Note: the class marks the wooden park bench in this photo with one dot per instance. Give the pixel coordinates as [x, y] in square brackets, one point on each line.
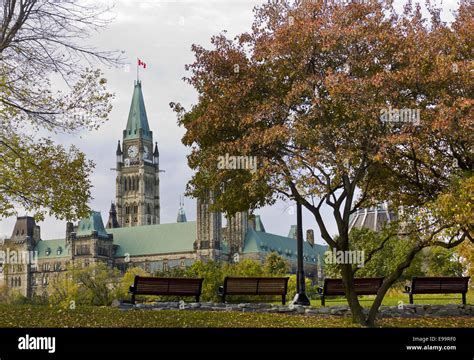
[438, 285]
[166, 286]
[254, 286]
[363, 286]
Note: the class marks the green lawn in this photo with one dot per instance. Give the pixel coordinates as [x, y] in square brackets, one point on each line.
[46, 316]
[395, 297]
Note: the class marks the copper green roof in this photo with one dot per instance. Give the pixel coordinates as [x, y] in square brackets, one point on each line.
[52, 249]
[137, 119]
[262, 242]
[155, 239]
[92, 223]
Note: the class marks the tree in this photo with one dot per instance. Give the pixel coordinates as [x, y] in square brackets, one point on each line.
[443, 262]
[41, 44]
[275, 265]
[100, 282]
[312, 92]
[96, 284]
[466, 256]
[383, 261]
[128, 280]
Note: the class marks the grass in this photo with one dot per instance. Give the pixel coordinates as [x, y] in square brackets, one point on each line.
[394, 297]
[21, 316]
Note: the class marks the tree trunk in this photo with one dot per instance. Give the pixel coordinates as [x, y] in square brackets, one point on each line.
[358, 315]
[388, 282]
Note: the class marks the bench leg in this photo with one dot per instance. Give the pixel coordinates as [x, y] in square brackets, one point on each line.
[223, 298]
[197, 298]
[133, 299]
[464, 298]
[283, 299]
[411, 298]
[323, 302]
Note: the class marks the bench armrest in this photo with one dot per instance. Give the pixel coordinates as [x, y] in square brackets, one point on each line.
[221, 290]
[320, 290]
[407, 289]
[131, 289]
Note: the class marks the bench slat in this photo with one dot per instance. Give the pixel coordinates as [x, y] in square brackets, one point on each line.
[255, 286]
[166, 286]
[439, 285]
[363, 286]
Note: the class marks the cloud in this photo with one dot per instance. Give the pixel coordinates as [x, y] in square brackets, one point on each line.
[161, 33]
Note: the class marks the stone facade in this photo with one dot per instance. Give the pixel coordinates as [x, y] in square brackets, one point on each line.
[138, 169]
[133, 235]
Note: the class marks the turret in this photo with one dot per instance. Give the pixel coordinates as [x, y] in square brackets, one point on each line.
[156, 155]
[119, 154]
[181, 212]
[112, 223]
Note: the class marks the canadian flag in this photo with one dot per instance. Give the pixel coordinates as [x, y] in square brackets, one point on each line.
[141, 63]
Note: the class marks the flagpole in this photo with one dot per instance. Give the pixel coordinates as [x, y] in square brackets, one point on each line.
[138, 67]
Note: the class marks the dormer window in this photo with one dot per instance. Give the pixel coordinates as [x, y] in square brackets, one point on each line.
[59, 251]
[48, 252]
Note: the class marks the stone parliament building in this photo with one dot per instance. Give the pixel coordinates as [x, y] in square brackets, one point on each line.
[133, 234]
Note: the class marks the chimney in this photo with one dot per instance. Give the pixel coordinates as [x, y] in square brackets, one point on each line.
[310, 237]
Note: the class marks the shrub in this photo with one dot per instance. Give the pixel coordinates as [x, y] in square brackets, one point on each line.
[290, 295]
[93, 285]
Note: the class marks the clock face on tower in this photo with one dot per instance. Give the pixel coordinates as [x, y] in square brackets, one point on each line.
[132, 152]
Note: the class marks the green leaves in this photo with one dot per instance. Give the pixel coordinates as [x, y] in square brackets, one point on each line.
[41, 41]
[43, 178]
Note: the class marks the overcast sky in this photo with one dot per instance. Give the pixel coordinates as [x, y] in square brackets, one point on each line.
[161, 34]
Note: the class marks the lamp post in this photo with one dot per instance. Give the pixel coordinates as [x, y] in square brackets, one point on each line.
[300, 297]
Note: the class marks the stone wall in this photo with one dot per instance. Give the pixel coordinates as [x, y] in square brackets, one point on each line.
[385, 311]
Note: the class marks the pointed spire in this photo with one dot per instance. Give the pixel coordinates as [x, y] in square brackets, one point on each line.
[137, 124]
[112, 222]
[156, 156]
[119, 149]
[181, 212]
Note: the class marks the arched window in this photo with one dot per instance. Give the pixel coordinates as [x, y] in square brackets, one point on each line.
[125, 184]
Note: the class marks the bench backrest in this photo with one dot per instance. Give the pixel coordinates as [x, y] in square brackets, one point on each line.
[439, 285]
[167, 286]
[363, 286]
[255, 286]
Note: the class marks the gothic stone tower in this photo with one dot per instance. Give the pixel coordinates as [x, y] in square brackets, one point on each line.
[209, 230]
[236, 230]
[19, 253]
[138, 182]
